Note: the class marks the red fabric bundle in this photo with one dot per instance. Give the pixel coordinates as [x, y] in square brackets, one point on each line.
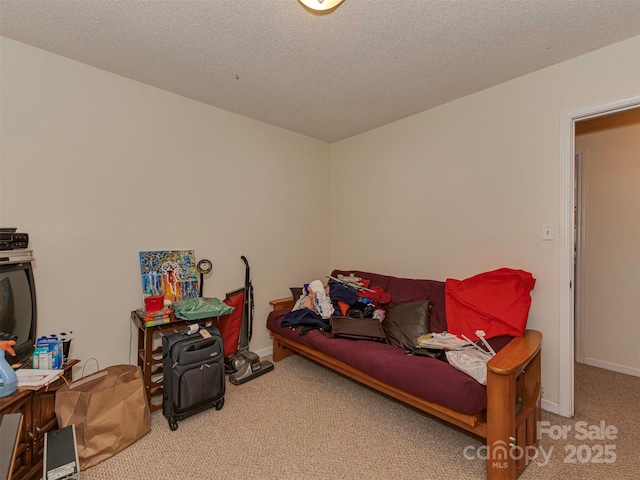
[377, 294]
[497, 302]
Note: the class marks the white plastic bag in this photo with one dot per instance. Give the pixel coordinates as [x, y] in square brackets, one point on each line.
[471, 361]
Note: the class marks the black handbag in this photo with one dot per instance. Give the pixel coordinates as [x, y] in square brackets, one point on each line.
[437, 353]
[357, 328]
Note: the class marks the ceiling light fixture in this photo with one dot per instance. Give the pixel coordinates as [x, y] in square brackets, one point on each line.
[321, 5]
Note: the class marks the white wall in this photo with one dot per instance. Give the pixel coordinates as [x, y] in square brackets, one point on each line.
[96, 168]
[465, 187]
[611, 147]
[450, 192]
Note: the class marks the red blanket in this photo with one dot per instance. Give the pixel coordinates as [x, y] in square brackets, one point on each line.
[497, 302]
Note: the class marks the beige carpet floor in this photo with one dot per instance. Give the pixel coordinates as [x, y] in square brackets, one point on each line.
[302, 421]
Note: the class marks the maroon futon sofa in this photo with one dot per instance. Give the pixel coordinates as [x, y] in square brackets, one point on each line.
[505, 412]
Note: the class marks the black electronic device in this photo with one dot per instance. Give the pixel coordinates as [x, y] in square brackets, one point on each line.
[18, 314]
[11, 240]
[61, 455]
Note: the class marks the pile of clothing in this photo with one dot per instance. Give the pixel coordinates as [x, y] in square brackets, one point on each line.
[319, 301]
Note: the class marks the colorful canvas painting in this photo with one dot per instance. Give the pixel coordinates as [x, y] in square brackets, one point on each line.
[171, 273]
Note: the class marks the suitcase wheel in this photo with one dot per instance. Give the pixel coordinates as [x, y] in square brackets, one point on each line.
[173, 425]
[220, 404]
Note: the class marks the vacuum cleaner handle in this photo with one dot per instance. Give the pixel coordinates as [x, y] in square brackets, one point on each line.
[246, 264]
[248, 298]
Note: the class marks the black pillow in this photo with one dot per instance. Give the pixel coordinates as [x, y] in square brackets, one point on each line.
[404, 323]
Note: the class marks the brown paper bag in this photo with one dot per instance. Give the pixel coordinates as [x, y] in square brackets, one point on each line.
[109, 409]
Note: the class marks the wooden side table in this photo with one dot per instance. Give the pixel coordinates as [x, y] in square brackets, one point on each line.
[38, 410]
[150, 359]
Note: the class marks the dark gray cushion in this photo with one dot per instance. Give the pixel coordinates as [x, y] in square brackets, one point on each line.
[404, 323]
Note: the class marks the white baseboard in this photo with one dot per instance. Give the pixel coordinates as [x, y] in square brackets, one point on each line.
[264, 352]
[550, 406]
[612, 366]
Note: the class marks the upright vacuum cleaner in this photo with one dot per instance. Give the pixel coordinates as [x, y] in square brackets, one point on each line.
[246, 365]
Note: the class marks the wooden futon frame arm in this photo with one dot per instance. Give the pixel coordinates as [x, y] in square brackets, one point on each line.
[510, 422]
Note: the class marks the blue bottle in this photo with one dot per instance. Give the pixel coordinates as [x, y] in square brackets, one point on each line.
[8, 378]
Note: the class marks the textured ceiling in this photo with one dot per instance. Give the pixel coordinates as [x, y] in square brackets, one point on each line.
[331, 76]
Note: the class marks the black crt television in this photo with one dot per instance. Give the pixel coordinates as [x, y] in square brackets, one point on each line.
[18, 314]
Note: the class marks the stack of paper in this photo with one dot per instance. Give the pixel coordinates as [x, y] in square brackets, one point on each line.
[33, 379]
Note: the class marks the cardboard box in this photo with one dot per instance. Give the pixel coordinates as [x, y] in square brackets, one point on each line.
[51, 346]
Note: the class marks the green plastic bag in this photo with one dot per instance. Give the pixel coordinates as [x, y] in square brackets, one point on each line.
[198, 308]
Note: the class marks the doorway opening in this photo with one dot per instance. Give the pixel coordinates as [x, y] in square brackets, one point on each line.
[568, 242]
[607, 276]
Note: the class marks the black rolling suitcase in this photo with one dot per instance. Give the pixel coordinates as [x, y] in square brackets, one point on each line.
[193, 373]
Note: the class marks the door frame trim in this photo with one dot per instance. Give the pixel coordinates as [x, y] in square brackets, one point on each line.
[566, 327]
[580, 254]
